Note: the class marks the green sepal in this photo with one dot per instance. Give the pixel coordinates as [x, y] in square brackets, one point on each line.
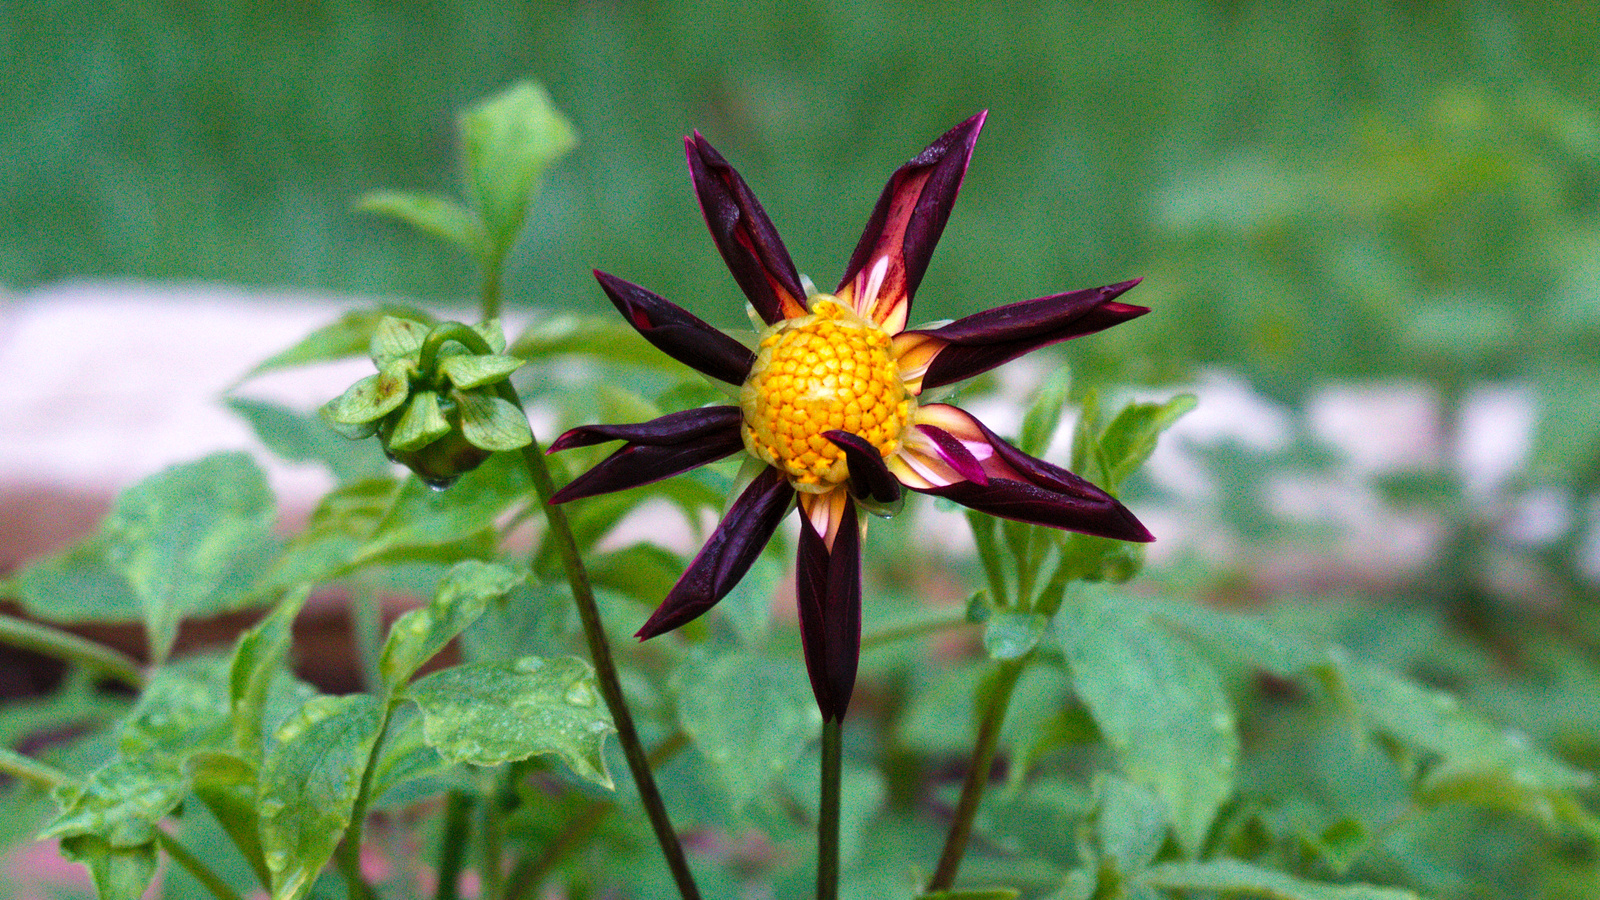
[368, 400]
[467, 372]
[441, 217]
[492, 334]
[119, 873]
[493, 423]
[396, 339]
[421, 424]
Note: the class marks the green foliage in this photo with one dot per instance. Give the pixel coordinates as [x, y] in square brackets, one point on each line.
[1141, 742]
[189, 541]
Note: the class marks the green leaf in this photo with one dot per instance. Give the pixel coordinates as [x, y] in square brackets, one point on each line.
[294, 437]
[350, 336]
[750, 716]
[228, 787]
[973, 894]
[1160, 707]
[119, 873]
[1132, 824]
[1230, 876]
[120, 803]
[419, 519]
[258, 658]
[441, 217]
[1043, 417]
[606, 337]
[187, 541]
[1011, 634]
[462, 596]
[1131, 437]
[1248, 638]
[467, 372]
[309, 782]
[508, 142]
[1463, 757]
[493, 423]
[421, 424]
[496, 712]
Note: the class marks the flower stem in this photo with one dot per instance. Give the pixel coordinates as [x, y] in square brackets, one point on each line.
[65, 645]
[600, 654]
[201, 872]
[588, 613]
[828, 811]
[955, 845]
[453, 844]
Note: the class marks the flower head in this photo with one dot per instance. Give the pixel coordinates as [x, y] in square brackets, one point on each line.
[831, 401]
[433, 402]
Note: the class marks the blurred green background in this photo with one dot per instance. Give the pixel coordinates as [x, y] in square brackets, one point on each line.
[1312, 190]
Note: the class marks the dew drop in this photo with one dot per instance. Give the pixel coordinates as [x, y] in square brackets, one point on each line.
[438, 485]
[528, 664]
[580, 694]
[277, 860]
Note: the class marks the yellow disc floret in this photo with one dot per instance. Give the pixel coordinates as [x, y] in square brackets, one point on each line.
[828, 371]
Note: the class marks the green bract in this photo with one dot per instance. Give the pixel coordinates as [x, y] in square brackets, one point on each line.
[435, 402]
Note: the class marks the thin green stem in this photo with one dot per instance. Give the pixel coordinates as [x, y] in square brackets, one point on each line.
[453, 844]
[530, 872]
[489, 296]
[828, 811]
[24, 768]
[201, 872]
[65, 645]
[588, 613]
[938, 620]
[955, 845]
[606, 668]
[600, 654]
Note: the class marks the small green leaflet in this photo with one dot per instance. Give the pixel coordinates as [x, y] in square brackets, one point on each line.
[494, 712]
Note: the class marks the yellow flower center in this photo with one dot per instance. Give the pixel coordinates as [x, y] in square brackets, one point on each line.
[827, 371]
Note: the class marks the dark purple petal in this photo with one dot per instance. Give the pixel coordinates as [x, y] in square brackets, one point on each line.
[678, 333]
[642, 463]
[955, 453]
[672, 428]
[912, 211]
[869, 477]
[745, 236]
[727, 555]
[1043, 494]
[828, 589]
[984, 340]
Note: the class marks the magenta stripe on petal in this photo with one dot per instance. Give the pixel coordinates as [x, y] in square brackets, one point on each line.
[828, 591]
[955, 453]
[727, 555]
[677, 332]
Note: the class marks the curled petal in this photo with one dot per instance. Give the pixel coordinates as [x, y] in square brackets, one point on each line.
[672, 428]
[898, 241]
[727, 555]
[1024, 488]
[981, 341]
[828, 590]
[678, 333]
[955, 454]
[667, 446]
[870, 478]
[749, 243]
